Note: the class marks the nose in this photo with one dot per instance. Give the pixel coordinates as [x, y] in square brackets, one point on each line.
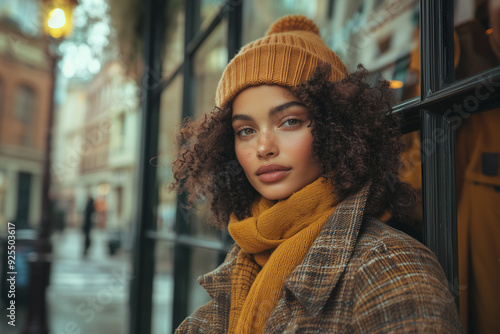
[266, 145]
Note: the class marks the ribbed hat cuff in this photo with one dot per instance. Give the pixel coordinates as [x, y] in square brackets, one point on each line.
[261, 65]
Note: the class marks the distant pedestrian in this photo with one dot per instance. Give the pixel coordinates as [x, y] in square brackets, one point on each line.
[87, 223]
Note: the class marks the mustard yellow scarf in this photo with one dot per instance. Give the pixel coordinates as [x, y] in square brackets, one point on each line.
[273, 242]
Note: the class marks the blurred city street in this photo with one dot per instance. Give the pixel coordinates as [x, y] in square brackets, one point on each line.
[90, 294]
[87, 295]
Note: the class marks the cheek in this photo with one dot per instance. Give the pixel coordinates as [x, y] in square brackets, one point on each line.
[300, 147]
[243, 155]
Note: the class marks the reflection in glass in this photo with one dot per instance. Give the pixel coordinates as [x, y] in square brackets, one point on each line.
[477, 36]
[258, 15]
[411, 172]
[162, 289]
[170, 119]
[174, 50]
[209, 63]
[211, 8]
[381, 35]
[202, 262]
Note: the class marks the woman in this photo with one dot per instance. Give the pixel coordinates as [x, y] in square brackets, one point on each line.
[296, 160]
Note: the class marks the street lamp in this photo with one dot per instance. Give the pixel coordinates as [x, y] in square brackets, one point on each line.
[57, 15]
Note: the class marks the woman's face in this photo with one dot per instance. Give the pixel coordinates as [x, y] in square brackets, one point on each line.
[273, 141]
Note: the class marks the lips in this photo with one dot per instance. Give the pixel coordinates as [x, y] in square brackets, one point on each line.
[272, 173]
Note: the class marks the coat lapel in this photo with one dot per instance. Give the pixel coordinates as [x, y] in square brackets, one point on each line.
[218, 282]
[313, 280]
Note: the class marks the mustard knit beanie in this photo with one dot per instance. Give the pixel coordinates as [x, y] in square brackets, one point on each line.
[286, 56]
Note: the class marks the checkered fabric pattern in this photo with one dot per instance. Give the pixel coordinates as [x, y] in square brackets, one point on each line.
[360, 276]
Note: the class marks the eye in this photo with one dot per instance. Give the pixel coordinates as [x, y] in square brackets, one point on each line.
[245, 132]
[291, 122]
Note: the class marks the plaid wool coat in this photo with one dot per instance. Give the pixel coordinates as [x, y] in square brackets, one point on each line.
[360, 276]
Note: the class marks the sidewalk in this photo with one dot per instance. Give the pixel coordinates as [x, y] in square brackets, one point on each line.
[87, 295]
[90, 295]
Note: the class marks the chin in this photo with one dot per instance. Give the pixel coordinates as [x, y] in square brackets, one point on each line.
[277, 195]
[276, 198]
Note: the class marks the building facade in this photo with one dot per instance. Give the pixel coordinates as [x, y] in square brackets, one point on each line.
[26, 83]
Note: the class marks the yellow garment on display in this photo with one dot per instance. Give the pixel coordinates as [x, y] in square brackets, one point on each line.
[478, 183]
[273, 242]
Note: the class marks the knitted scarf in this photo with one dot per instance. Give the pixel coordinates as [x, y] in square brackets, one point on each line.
[273, 241]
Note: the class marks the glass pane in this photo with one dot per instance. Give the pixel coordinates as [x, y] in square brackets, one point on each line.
[196, 219]
[202, 262]
[478, 198]
[170, 118]
[382, 35]
[209, 9]
[477, 36]
[174, 48]
[163, 289]
[411, 172]
[209, 63]
[258, 15]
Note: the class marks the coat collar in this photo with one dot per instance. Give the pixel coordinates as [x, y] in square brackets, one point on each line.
[218, 282]
[335, 243]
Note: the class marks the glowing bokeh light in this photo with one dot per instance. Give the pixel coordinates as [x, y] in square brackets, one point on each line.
[395, 84]
[57, 18]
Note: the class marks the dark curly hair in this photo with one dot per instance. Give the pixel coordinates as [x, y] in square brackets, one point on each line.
[356, 139]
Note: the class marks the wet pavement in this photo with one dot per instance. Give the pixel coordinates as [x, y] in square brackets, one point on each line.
[87, 295]
[90, 295]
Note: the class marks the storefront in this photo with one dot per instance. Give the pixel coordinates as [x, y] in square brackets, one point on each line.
[448, 50]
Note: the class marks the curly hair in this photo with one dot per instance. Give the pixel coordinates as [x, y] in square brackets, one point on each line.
[356, 139]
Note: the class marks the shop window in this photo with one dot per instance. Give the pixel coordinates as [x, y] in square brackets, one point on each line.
[209, 63]
[383, 35]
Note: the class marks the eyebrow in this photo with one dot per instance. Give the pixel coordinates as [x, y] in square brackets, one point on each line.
[273, 111]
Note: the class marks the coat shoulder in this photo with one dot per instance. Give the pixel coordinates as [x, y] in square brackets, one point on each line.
[399, 279]
[376, 236]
